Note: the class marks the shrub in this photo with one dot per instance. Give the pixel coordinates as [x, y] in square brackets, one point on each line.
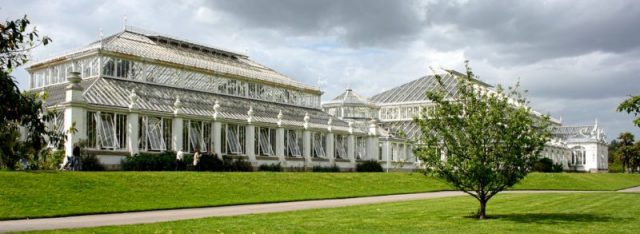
[239, 164]
[91, 163]
[242, 165]
[543, 165]
[270, 167]
[51, 159]
[557, 167]
[369, 166]
[209, 162]
[333, 168]
[164, 161]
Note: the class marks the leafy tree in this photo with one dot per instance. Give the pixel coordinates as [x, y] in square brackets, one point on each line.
[482, 141]
[631, 105]
[24, 109]
[635, 160]
[625, 150]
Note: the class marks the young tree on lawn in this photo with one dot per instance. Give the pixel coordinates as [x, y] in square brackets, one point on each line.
[481, 141]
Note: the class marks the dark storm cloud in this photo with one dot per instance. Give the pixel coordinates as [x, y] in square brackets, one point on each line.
[357, 23]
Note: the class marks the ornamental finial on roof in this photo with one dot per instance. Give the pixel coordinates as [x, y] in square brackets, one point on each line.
[177, 106]
[306, 120]
[133, 99]
[350, 127]
[280, 118]
[216, 107]
[329, 123]
[250, 114]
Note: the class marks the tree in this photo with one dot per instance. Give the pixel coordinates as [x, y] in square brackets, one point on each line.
[625, 151]
[482, 141]
[24, 109]
[631, 105]
[635, 160]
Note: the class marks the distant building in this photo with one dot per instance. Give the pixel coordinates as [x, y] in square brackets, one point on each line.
[577, 148]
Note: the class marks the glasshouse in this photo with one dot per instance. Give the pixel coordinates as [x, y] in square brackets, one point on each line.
[139, 91]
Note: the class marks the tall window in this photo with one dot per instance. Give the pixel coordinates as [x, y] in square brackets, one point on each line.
[265, 139]
[107, 130]
[578, 156]
[154, 132]
[57, 125]
[233, 139]
[340, 146]
[293, 140]
[318, 144]
[196, 135]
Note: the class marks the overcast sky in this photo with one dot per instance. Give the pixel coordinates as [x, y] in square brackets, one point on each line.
[578, 59]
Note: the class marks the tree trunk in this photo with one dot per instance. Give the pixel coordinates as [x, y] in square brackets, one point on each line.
[482, 212]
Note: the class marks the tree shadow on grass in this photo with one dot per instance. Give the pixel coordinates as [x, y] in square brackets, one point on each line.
[556, 218]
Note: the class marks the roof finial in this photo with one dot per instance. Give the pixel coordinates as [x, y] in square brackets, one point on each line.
[250, 114]
[101, 34]
[124, 22]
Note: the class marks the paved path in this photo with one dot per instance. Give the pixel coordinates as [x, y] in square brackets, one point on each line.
[632, 189]
[194, 213]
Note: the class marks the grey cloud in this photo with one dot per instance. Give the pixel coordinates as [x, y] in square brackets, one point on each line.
[529, 31]
[357, 23]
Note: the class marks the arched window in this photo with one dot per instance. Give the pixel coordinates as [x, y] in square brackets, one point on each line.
[578, 156]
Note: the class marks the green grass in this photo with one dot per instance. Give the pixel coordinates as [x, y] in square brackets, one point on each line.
[48, 194]
[578, 181]
[512, 213]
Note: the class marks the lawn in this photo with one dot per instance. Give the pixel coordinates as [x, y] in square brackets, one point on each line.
[47, 194]
[578, 181]
[509, 213]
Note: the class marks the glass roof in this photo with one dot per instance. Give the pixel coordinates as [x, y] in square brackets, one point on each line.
[160, 48]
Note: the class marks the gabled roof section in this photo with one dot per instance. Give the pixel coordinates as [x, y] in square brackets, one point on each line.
[349, 98]
[155, 46]
[416, 90]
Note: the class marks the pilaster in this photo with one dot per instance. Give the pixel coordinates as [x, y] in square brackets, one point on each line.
[74, 113]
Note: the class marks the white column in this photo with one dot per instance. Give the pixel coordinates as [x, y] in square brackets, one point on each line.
[372, 141]
[351, 148]
[74, 113]
[372, 148]
[330, 150]
[176, 133]
[306, 145]
[217, 138]
[133, 134]
[280, 144]
[250, 143]
[386, 149]
[177, 126]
